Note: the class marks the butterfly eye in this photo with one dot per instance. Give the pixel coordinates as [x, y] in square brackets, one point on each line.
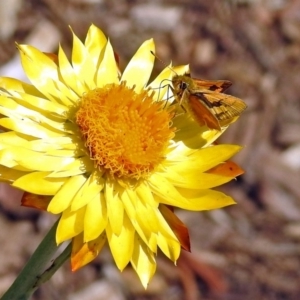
[183, 85]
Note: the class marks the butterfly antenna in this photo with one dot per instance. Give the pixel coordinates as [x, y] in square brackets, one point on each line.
[160, 60]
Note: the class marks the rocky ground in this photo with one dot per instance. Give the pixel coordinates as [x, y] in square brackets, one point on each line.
[249, 251]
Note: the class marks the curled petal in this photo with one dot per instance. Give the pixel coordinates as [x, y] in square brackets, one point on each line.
[83, 253]
[178, 227]
[35, 201]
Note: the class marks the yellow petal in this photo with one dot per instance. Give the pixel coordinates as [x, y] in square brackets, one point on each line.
[198, 200]
[10, 84]
[63, 153]
[205, 158]
[11, 109]
[48, 144]
[28, 127]
[65, 195]
[169, 246]
[38, 183]
[115, 209]
[95, 219]
[130, 200]
[95, 43]
[43, 73]
[70, 224]
[147, 217]
[143, 261]
[181, 70]
[41, 105]
[12, 138]
[78, 166]
[83, 64]
[9, 175]
[108, 70]
[92, 187]
[32, 160]
[164, 189]
[138, 71]
[185, 198]
[195, 180]
[121, 245]
[68, 74]
[167, 240]
[192, 134]
[46, 66]
[161, 84]
[145, 195]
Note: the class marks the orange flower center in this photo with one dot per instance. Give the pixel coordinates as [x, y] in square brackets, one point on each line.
[127, 133]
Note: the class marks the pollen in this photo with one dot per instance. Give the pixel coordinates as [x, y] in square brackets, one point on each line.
[126, 133]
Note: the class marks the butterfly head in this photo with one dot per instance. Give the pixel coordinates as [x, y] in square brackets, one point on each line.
[181, 83]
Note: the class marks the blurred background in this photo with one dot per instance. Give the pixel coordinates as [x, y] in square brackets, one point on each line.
[248, 251]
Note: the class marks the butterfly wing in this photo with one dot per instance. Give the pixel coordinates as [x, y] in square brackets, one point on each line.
[201, 113]
[217, 86]
[224, 107]
[204, 100]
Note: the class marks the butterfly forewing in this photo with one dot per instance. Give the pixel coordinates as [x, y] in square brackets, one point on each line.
[218, 86]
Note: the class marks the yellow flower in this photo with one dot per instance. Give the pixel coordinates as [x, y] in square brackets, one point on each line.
[107, 152]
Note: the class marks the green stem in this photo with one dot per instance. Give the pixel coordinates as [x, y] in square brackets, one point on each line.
[57, 263]
[34, 274]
